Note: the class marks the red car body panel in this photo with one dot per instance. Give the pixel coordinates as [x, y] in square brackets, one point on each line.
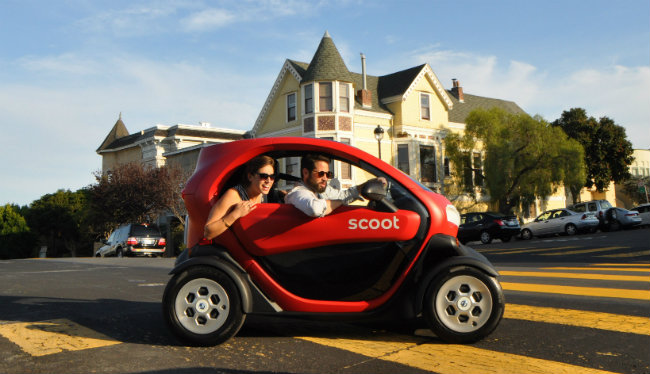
[278, 228]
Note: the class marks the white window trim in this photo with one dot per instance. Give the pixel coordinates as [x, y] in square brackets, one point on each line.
[428, 95]
[286, 107]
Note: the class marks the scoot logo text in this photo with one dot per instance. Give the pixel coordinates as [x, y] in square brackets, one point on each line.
[373, 224]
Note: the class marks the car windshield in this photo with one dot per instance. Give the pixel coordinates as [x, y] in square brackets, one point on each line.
[605, 204]
[142, 230]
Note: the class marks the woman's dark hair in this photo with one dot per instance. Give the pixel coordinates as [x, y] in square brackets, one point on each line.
[254, 165]
[309, 161]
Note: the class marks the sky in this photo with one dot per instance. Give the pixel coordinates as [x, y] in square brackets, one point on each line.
[69, 68]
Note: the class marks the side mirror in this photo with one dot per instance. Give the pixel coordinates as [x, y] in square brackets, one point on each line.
[373, 190]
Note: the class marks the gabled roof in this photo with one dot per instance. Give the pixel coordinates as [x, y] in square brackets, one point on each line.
[461, 109]
[118, 131]
[327, 64]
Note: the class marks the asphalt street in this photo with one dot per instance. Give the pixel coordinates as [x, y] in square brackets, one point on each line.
[576, 304]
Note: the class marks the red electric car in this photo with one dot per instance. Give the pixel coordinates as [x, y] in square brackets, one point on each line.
[393, 256]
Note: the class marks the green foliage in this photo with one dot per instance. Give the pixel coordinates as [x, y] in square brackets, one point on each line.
[636, 188]
[525, 157]
[16, 240]
[59, 220]
[608, 153]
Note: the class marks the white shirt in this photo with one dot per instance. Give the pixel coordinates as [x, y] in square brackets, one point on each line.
[314, 204]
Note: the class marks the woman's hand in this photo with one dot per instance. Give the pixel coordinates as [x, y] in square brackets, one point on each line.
[242, 208]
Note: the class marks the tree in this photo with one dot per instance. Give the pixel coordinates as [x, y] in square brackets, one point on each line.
[59, 219]
[134, 192]
[638, 189]
[525, 158]
[16, 240]
[608, 153]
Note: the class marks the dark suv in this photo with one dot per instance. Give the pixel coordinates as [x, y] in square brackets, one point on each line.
[134, 240]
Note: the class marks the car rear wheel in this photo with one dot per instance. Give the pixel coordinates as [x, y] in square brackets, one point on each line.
[486, 238]
[119, 252]
[570, 229]
[526, 234]
[506, 238]
[614, 225]
[203, 306]
[463, 305]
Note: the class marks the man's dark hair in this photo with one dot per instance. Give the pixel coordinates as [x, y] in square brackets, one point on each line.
[309, 161]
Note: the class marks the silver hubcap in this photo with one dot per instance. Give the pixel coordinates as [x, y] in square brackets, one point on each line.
[464, 303]
[485, 237]
[202, 306]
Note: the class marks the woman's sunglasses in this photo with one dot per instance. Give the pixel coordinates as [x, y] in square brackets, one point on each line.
[266, 176]
[329, 174]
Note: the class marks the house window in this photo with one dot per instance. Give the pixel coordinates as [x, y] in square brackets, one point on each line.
[346, 169]
[428, 164]
[425, 110]
[309, 98]
[403, 158]
[467, 171]
[291, 107]
[344, 97]
[478, 169]
[325, 97]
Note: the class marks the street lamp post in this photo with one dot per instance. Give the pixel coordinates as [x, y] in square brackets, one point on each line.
[379, 135]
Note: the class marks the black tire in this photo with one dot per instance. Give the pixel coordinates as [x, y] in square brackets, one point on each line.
[463, 305]
[486, 238]
[526, 234]
[506, 238]
[570, 229]
[202, 306]
[119, 252]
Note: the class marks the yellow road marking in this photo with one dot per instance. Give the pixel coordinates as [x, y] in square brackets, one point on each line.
[533, 250]
[581, 251]
[642, 270]
[571, 317]
[580, 291]
[630, 254]
[612, 264]
[448, 358]
[626, 278]
[53, 336]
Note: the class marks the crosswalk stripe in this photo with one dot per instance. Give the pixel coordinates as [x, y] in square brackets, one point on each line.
[578, 291]
[582, 251]
[448, 358]
[629, 254]
[625, 278]
[533, 250]
[572, 317]
[637, 270]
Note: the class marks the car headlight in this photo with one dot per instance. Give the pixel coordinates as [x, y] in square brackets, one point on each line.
[452, 215]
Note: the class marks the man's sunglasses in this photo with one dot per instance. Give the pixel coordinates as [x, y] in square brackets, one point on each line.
[266, 176]
[329, 174]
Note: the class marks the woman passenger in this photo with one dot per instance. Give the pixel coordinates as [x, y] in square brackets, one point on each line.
[238, 201]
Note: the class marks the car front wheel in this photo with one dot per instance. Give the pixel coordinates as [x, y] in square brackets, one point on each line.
[526, 234]
[202, 306]
[463, 305]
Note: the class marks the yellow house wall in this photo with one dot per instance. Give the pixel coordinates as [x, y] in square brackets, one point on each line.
[410, 113]
[364, 136]
[110, 160]
[276, 117]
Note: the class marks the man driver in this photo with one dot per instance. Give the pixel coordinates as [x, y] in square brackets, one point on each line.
[314, 196]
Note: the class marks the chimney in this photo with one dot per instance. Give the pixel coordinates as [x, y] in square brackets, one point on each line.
[457, 90]
[364, 95]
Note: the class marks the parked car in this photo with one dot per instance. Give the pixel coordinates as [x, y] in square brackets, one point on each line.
[485, 226]
[134, 240]
[618, 218]
[598, 207]
[393, 257]
[644, 213]
[559, 221]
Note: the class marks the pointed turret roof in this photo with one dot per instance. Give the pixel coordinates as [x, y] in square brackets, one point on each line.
[118, 131]
[327, 64]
